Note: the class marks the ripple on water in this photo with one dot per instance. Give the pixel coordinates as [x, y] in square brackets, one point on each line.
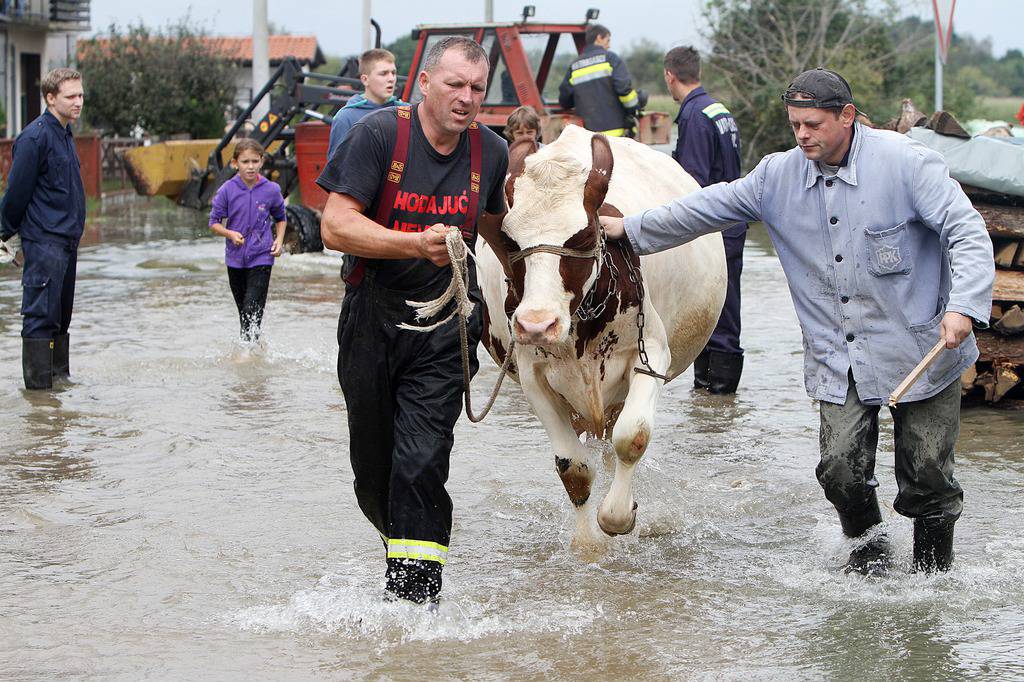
[348, 604]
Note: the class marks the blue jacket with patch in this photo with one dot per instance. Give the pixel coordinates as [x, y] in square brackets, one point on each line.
[874, 256]
[708, 147]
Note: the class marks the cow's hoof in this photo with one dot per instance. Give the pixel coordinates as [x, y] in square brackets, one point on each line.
[611, 529]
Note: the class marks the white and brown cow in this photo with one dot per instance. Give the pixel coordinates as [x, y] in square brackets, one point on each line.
[577, 345]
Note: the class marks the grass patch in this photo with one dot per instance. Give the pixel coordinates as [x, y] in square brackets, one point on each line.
[662, 103]
[999, 108]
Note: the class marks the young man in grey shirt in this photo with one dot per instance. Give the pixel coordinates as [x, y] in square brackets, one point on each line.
[884, 255]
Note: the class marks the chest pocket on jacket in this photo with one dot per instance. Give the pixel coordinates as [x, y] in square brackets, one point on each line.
[57, 172]
[888, 252]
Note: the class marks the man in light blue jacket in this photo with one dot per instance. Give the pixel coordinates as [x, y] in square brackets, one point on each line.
[378, 74]
[884, 255]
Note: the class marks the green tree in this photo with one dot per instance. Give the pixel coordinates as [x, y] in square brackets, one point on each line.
[165, 81]
[646, 62]
[758, 46]
[404, 50]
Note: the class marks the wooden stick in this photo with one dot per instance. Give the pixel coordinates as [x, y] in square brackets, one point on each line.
[916, 373]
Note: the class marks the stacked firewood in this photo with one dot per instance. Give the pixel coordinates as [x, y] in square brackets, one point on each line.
[999, 372]
[998, 376]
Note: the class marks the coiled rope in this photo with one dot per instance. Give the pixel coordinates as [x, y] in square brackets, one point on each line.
[458, 291]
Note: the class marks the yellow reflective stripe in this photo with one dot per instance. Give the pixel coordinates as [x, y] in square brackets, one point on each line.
[417, 555]
[423, 550]
[630, 99]
[715, 109]
[590, 72]
[418, 543]
[614, 132]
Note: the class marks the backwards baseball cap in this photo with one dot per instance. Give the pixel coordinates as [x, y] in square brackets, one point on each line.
[823, 89]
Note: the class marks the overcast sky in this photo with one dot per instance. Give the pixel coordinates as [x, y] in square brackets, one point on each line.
[671, 22]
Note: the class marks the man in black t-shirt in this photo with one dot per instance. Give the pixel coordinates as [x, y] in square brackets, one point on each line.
[399, 179]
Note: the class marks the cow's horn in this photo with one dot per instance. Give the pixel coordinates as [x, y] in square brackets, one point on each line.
[600, 175]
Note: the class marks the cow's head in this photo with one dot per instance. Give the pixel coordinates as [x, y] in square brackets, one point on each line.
[553, 238]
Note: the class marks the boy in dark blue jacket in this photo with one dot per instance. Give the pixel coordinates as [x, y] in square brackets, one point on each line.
[45, 205]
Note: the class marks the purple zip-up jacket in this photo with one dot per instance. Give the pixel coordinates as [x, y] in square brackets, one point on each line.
[252, 212]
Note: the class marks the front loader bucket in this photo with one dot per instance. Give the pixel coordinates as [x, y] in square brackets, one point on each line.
[163, 169]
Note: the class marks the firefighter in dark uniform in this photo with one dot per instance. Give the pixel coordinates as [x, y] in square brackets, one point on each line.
[397, 180]
[708, 148]
[45, 207]
[598, 86]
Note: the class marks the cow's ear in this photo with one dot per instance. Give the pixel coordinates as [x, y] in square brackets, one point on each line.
[600, 174]
[517, 154]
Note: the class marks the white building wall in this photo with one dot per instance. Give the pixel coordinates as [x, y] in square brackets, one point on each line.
[20, 40]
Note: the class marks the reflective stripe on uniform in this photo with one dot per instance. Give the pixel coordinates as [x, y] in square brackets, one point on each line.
[715, 109]
[630, 99]
[590, 73]
[614, 132]
[417, 549]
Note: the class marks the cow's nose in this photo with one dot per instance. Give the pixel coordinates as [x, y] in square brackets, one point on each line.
[536, 329]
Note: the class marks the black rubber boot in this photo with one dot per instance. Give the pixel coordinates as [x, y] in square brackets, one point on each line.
[724, 372]
[700, 370]
[933, 544]
[37, 363]
[856, 522]
[414, 580]
[61, 366]
[873, 557]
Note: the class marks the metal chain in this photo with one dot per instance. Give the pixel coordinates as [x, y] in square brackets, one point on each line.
[638, 281]
[587, 310]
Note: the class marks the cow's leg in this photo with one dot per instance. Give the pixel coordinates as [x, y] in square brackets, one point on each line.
[632, 432]
[570, 455]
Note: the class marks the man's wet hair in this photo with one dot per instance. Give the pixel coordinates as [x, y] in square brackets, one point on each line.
[469, 48]
[683, 63]
[595, 31]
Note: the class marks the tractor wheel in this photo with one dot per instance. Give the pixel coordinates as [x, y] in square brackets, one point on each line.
[303, 232]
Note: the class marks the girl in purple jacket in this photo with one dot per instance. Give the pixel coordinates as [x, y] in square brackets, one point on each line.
[243, 211]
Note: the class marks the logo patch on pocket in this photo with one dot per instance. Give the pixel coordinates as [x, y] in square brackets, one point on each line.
[888, 257]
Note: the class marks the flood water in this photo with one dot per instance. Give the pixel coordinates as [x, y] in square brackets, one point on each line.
[185, 510]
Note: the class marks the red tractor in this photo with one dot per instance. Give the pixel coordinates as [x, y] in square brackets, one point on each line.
[521, 58]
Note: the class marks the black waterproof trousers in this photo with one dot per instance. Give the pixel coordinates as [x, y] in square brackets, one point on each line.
[403, 391]
[925, 434]
[249, 288]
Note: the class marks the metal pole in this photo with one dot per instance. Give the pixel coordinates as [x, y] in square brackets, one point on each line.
[938, 75]
[488, 11]
[260, 56]
[367, 29]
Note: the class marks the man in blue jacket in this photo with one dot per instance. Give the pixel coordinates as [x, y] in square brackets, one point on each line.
[598, 86]
[708, 148]
[45, 205]
[885, 256]
[378, 74]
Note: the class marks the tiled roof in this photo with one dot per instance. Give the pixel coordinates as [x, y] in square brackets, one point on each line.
[239, 49]
[303, 48]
